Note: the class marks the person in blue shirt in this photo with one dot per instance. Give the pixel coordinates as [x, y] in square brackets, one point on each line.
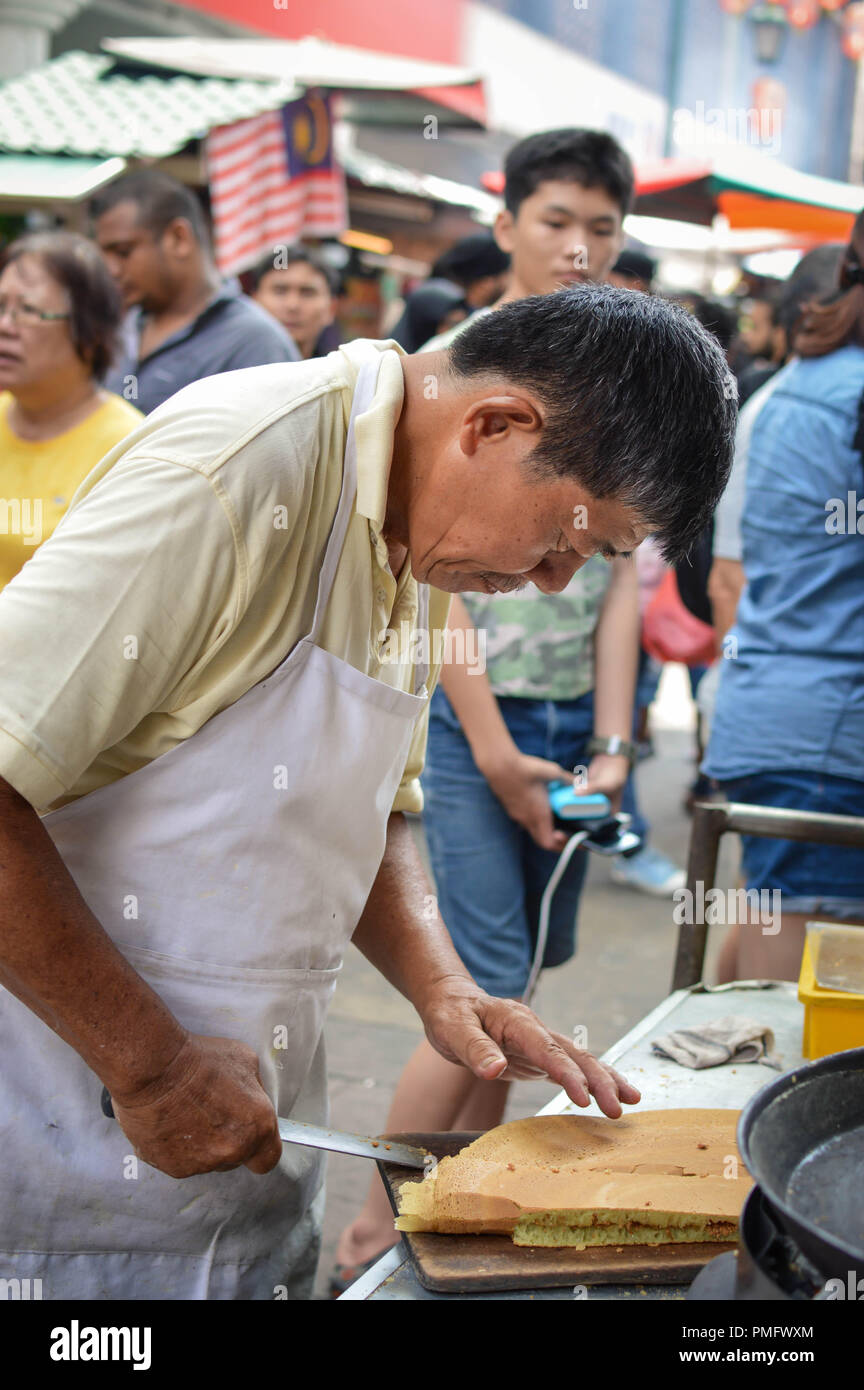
[788, 728]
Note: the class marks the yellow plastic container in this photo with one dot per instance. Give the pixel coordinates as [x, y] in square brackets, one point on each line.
[833, 1020]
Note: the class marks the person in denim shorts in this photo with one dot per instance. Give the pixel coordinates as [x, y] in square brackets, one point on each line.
[788, 727]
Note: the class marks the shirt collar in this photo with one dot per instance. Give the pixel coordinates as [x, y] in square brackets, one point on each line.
[374, 429]
[227, 291]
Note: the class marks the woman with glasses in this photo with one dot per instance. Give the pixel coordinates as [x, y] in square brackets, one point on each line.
[59, 318]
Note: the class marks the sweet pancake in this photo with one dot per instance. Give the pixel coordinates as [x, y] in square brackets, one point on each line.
[651, 1178]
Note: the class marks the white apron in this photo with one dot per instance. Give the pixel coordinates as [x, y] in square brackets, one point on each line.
[231, 872]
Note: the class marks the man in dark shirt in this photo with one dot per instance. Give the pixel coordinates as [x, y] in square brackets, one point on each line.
[183, 322]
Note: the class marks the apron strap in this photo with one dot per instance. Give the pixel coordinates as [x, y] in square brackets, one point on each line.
[421, 671]
[364, 393]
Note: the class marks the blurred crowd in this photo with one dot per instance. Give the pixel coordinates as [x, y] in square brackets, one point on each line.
[767, 612]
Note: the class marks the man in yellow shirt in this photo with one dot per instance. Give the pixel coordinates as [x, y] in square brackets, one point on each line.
[215, 683]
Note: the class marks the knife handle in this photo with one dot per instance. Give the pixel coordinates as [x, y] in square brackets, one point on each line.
[105, 1101]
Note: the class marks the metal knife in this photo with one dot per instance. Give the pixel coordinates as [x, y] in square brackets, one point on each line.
[361, 1145]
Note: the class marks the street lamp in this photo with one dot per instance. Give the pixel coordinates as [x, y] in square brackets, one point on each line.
[769, 26]
[771, 22]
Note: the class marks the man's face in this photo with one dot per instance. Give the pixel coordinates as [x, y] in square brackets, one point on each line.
[627, 282]
[299, 297]
[757, 328]
[136, 261]
[482, 521]
[483, 292]
[563, 234]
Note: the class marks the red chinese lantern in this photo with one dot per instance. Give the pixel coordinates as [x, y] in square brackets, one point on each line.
[767, 94]
[832, 4]
[735, 6]
[853, 32]
[803, 14]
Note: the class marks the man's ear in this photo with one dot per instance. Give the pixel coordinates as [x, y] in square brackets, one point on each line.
[494, 419]
[504, 230]
[179, 239]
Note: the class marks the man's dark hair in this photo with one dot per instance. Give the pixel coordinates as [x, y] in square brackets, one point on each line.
[771, 293]
[281, 257]
[639, 402]
[637, 265]
[160, 200]
[95, 306]
[827, 326]
[588, 157]
[814, 279]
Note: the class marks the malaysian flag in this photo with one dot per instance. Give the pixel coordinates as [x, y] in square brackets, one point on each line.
[273, 179]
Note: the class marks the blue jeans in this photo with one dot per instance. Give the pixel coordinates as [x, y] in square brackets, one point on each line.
[490, 874]
[816, 880]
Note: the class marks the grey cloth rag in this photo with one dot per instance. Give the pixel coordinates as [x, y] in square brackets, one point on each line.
[730, 1039]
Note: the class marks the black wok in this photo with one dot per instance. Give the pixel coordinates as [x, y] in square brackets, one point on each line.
[802, 1140]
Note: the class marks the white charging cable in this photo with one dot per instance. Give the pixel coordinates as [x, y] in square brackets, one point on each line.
[546, 907]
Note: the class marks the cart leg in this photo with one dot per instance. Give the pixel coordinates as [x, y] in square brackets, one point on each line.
[709, 823]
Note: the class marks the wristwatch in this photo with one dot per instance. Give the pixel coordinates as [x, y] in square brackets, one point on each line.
[615, 746]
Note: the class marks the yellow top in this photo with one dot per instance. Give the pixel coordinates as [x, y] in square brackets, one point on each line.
[187, 568]
[38, 477]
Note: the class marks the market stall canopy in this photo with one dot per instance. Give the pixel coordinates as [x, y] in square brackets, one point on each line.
[69, 126]
[373, 80]
[751, 191]
[35, 180]
[82, 104]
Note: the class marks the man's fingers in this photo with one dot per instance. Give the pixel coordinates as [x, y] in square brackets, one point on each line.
[609, 1088]
[626, 1089]
[579, 1073]
[502, 1038]
[268, 1153]
[553, 772]
[474, 1047]
[543, 830]
[526, 1037]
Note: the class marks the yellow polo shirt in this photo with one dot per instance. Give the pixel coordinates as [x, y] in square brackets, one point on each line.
[186, 569]
[38, 477]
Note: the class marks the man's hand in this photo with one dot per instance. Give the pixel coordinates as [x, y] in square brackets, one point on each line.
[500, 1039]
[206, 1113]
[521, 785]
[607, 773]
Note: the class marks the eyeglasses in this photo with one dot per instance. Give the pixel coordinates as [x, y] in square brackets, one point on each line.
[28, 313]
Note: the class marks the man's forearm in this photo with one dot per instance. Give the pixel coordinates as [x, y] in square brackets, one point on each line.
[726, 581]
[616, 653]
[401, 931]
[57, 959]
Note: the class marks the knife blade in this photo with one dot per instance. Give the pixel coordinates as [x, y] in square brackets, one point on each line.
[360, 1145]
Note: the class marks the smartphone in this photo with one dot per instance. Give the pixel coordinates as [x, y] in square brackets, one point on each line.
[568, 804]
